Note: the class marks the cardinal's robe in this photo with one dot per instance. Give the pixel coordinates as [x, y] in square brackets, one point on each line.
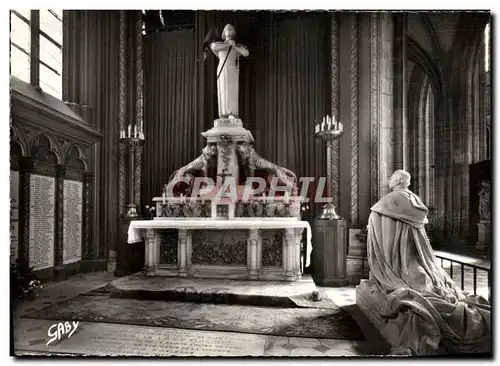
[424, 305]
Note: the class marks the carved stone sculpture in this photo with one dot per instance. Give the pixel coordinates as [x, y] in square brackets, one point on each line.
[228, 71]
[198, 166]
[484, 201]
[252, 161]
[411, 299]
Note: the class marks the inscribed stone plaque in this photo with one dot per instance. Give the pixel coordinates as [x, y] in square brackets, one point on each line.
[42, 221]
[141, 341]
[14, 215]
[72, 221]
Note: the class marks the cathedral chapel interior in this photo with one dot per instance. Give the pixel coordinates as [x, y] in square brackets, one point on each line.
[110, 107]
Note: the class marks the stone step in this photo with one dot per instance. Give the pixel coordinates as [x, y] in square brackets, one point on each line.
[302, 293]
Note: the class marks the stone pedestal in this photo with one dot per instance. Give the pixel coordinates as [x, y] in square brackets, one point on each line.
[129, 258]
[329, 253]
[483, 235]
[226, 133]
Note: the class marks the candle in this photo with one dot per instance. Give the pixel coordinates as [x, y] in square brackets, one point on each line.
[316, 128]
[163, 197]
[341, 126]
[129, 130]
[323, 124]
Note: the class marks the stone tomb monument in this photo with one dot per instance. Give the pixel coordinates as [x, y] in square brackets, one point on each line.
[201, 232]
[412, 301]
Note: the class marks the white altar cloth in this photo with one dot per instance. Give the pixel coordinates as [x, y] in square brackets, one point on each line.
[137, 228]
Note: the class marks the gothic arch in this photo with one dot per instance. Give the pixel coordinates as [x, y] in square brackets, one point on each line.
[44, 147]
[18, 138]
[75, 157]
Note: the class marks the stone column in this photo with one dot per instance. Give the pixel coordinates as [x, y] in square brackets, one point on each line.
[253, 242]
[334, 158]
[289, 254]
[139, 110]
[401, 151]
[183, 237]
[354, 38]
[381, 102]
[297, 262]
[151, 248]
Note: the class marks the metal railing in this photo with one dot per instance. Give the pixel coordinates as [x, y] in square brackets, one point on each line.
[463, 262]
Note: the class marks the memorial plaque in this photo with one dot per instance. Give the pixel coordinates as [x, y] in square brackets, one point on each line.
[122, 340]
[42, 221]
[14, 215]
[72, 221]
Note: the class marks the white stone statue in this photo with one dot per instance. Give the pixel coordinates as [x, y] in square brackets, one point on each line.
[424, 310]
[228, 72]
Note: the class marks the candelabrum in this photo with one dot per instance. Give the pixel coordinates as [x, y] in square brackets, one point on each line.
[328, 132]
[131, 167]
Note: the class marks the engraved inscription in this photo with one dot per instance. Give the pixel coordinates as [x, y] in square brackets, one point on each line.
[42, 221]
[14, 215]
[135, 341]
[72, 221]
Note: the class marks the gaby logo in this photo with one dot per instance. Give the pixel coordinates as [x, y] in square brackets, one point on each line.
[58, 330]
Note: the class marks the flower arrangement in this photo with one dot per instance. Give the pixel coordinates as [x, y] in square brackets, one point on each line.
[24, 283]
[304, 207]
[151, 210]
[33, 286]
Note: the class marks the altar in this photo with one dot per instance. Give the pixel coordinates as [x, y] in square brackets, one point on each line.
[229, 213]
[188, 248]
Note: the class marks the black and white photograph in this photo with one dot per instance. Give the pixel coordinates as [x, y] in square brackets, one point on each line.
[262, 184]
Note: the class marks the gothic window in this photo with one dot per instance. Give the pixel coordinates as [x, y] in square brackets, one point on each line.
[37, 59]
[20, 44]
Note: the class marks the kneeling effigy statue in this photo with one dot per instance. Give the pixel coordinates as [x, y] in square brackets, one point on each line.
[425, 311]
